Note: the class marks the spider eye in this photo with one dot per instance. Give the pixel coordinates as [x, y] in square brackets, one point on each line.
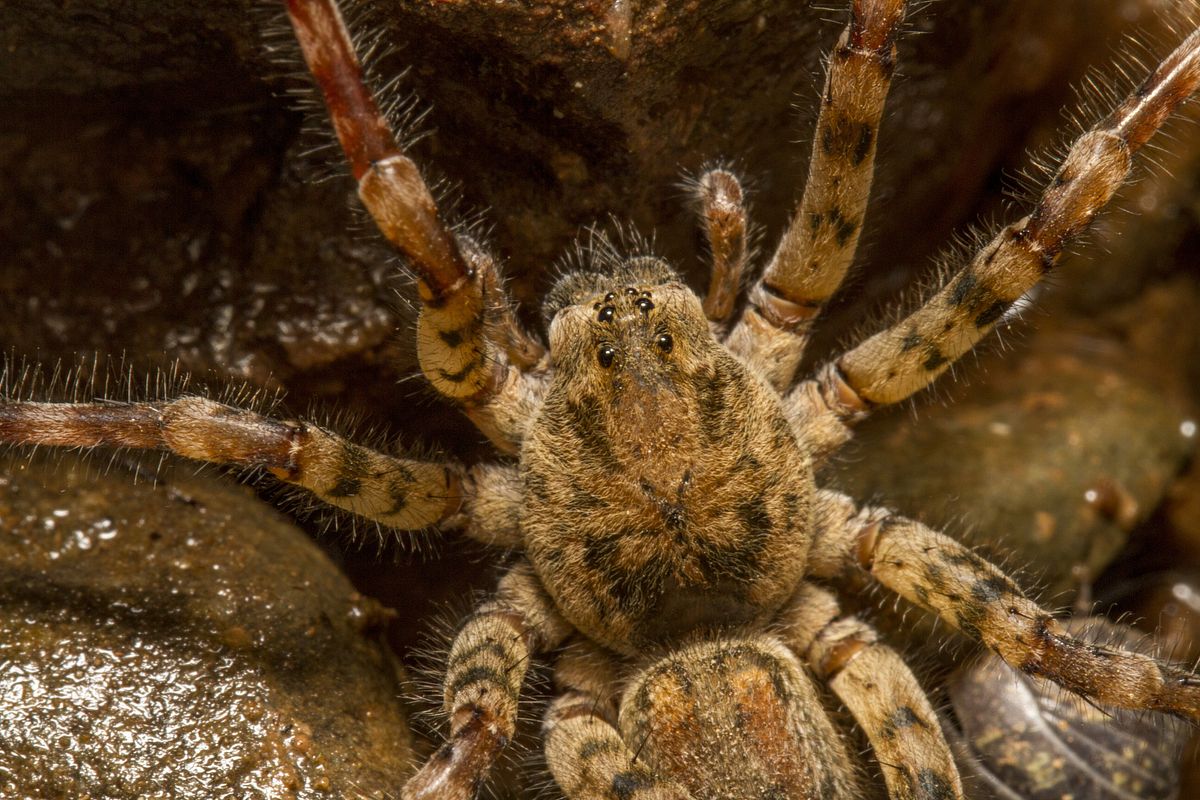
[605, 355]
[665, 342]
[644, 304]
[606, 314]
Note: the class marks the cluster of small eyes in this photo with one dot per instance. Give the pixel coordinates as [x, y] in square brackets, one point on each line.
[606, 352]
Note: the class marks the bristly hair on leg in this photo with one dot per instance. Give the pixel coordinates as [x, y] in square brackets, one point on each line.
[426, 665]
[895, 305]
[92, 407]
[352, 531]
[318, 155]
[117, 381]
[1102, 88]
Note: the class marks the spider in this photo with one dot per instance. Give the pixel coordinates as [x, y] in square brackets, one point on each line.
[674, 548]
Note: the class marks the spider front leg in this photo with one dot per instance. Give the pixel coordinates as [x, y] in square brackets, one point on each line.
[468, 339]
[937, 573]
[401, 493]
[880, 691]
[895, 363]
[484, 674]
[819, 244]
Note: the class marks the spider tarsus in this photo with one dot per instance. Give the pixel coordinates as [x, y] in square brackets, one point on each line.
[360, 127]
[1149, 106]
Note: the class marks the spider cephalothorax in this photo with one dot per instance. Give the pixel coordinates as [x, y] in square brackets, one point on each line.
[672, 547]
[650, 510]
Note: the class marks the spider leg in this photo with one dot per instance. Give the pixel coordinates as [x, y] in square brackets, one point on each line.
[880, 691]
[724, 217]
[901, 360]
[492, 501]
[468, 339]
[484, 674]
[819, 244]
[401, 493]
[584, 750]
[938, 574]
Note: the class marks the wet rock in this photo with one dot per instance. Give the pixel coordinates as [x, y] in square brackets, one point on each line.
[182, 640]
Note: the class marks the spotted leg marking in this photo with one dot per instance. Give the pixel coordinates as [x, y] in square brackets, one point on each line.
[819, 244]
[937, 573]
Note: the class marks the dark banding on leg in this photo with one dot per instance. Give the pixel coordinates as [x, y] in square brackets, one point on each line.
[484, 674]
[469, 342]
[894, 364]
[401, 493]
[819, 245]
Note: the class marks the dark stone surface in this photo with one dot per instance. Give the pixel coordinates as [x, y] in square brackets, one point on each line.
[182, 640]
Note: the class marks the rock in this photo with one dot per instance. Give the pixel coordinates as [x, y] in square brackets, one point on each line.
[182, 640]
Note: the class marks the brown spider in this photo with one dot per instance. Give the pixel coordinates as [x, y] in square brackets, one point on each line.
[673, 540]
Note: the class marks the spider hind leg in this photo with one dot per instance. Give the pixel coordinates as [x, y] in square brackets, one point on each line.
[933, 571]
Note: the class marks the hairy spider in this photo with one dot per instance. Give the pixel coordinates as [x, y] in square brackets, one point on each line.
[674, 547]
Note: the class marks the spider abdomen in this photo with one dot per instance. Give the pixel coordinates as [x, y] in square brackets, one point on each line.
[736, 717]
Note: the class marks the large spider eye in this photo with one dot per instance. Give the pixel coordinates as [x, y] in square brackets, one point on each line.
[665, 342]
[605, 355]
